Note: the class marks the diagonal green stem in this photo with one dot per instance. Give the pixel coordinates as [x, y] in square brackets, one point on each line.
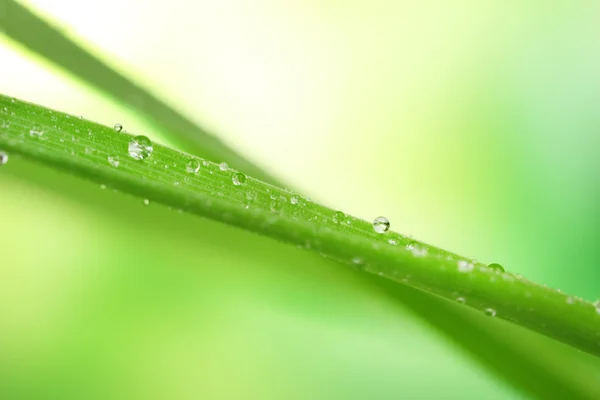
[83, 148]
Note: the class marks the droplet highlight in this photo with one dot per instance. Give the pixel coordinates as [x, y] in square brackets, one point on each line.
[36, 130]
[140, 148]
[338, 217]
[490, 312]
[294, 200]
[276, 206]
[3, 158]
[381, 224]
[114, 161]
[118, 127]
[223, 166]
[597, 305]
[465, 266]
[238, 179]
[146, 202]
[193, 166]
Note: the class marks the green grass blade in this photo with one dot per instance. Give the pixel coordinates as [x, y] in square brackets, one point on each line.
[24, 27]
[83, 148]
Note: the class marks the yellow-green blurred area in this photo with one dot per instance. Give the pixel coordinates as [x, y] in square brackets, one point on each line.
[471, 125]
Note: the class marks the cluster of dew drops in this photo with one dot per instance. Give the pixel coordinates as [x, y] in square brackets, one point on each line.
[140, 148]
[381, 225]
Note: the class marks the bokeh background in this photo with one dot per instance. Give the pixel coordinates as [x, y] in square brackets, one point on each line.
[470, 125]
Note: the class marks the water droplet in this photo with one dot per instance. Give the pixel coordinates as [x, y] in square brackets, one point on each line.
[294, 200]
[238, 179]
[3, 158]
[102, 187]
[114, 161]
[140, 148]
[490, 312]
[357, 261]
[393, 242]
[381, 224]
[192, 166]
[276, 206]
[597, 305]
[496, 267]
[36, 130]
[461, 300]
[338, 217]
[570, 300]
[118, 127]
[146, 202]
[223, 166]
[465, 266]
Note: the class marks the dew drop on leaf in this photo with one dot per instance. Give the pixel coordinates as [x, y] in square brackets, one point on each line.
[294, 200]
[146, 202]
[570, 300]
[465, 266]
[461, 300]
[238, 179]
[496, 267]
[381, 224]
[338, 217]
[140, 148]
[3, 158]
[192, 166]
[276, 206]
[223, 166]
[114, 161]
[118, 127]
[36, 130]
[597, 305]
[490, 312]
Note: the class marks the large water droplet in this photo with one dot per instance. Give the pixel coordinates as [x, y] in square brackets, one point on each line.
[192, 166]
[381, 224]
[114, 161]
[118, 127]
[496, 267]
[3, 158]
[338, 217]
[465, 266]
[238, 179]
[490, 312]
[223, 166]
[36, 130]
[140, 148]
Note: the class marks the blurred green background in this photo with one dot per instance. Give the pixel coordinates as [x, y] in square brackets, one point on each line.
[470, 125]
